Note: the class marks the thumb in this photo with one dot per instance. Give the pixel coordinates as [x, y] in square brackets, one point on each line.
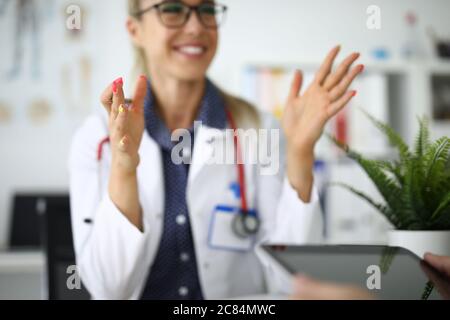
[296, 85]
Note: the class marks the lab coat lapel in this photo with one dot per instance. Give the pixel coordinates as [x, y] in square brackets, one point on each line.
[205, 140]
[151, 187]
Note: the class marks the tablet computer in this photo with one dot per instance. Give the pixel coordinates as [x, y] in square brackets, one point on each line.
[386, 272]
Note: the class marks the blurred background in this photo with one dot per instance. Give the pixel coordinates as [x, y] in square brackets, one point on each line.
[51, 76]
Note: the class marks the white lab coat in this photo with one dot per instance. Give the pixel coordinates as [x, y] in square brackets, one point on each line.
[114, 258]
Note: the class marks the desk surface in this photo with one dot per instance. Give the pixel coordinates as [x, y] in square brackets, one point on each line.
[22, 261]
[22, 274]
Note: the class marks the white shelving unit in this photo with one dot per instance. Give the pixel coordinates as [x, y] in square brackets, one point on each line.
[410, 92]
[405, 92]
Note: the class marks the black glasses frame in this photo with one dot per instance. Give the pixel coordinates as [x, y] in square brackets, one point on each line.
[157, 7]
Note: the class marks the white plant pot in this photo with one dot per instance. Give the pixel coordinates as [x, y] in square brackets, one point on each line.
[421, 242]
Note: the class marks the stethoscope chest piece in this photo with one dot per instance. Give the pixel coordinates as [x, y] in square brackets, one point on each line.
[245, 225]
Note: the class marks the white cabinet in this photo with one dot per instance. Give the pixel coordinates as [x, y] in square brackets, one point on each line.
[21, 275]
[396, 92]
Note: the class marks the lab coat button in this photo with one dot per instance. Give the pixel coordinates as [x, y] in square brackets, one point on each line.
[184, 257]
[183, 291]
[181, 219]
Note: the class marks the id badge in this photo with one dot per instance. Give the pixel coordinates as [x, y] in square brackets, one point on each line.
[221, 235]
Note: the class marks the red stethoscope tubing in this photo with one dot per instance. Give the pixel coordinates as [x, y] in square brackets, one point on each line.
[100, 148]
[238, 154]
[239, 162]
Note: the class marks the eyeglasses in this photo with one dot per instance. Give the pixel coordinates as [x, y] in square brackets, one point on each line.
[175, 14]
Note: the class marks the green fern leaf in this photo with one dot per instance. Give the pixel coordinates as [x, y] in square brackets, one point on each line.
[393, 168]
[444, 204]
[413, 188]
[437, 177]
[423, 138]
[394, 138]
[442, 222]
[436, 158]
[388, 188]
[440, 219]
[381, 208]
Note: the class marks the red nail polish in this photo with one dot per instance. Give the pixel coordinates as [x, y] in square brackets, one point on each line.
[362, 68]
[354, 93]
[118, 81]
[114, 87]
[143, 77]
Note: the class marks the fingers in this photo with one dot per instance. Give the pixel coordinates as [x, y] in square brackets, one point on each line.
[338, 105]
[341, 71]
[309, 289]
[140, 94]
[327, 65]
[438, 281]
[432, 275]
[124, 138]
[440, 263]
[106, 98]
[118, 98]
[338, 91]
[119, 114]
[296, 85]
[121, 125]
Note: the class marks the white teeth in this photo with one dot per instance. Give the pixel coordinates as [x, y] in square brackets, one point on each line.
[191, 50]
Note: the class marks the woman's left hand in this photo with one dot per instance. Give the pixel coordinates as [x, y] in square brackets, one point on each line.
[306, 115]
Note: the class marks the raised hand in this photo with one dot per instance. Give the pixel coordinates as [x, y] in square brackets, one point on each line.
[306, 115]
[126, 123]
[126, 128]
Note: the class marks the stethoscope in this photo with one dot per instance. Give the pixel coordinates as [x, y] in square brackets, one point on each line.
[244, 223]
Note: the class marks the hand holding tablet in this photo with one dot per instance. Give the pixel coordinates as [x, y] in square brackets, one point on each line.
[358, 272]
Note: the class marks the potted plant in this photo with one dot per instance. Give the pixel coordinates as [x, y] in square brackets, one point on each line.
[415, 188]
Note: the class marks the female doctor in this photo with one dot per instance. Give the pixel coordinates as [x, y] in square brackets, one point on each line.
[148, 228]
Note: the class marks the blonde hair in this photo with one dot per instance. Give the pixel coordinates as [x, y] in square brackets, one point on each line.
[140, 59]
[245, 114]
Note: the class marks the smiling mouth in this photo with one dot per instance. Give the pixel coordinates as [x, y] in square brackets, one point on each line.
[191, 51]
